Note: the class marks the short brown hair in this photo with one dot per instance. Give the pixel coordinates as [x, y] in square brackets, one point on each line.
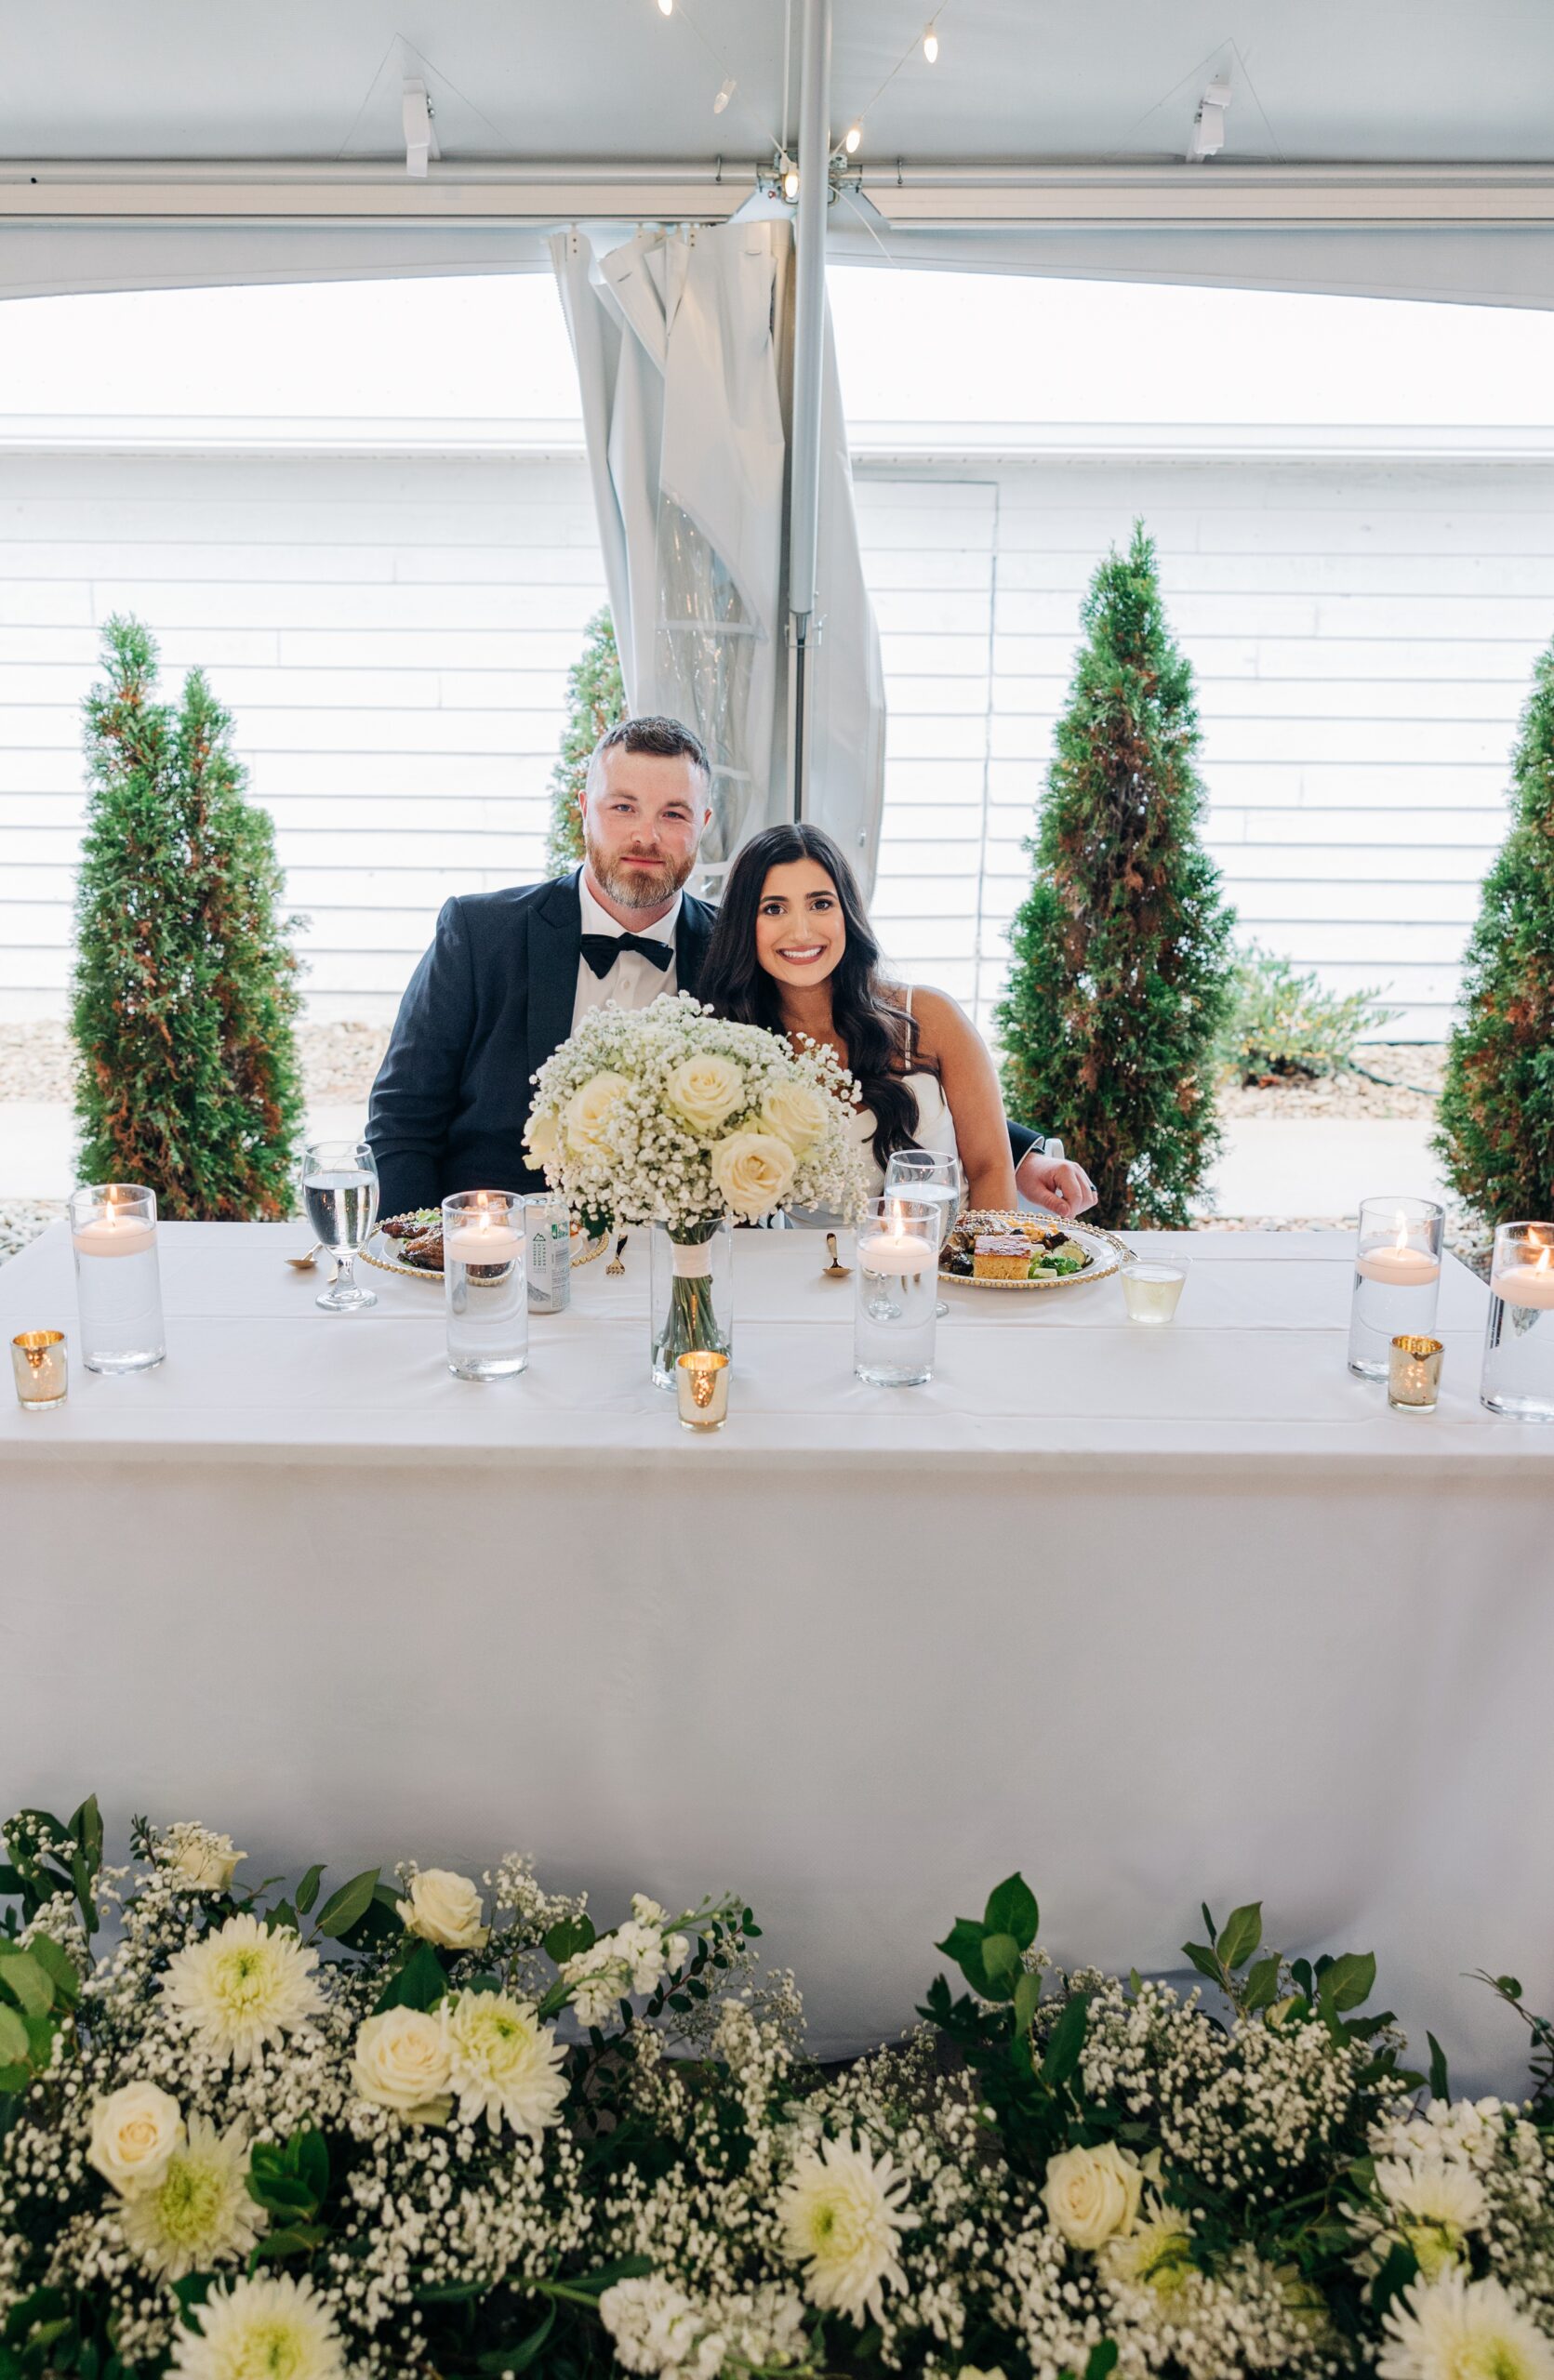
[667, 739]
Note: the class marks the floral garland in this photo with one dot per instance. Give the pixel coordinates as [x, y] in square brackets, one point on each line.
[424, 2128]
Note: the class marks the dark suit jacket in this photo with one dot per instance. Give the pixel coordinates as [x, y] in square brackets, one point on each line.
[487, 1005]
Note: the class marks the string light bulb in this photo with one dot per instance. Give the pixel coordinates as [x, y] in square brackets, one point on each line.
[725, 96]
[790, 182]
[853, 140]
[930, 43]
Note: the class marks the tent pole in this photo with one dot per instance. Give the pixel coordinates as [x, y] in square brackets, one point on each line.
[809, 353]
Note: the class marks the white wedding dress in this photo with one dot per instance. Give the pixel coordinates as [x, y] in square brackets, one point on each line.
[935, 1131]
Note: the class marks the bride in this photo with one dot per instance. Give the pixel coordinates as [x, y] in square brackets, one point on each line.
[792, 949]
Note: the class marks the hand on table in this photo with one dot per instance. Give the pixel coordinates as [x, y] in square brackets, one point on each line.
[1062, 1187]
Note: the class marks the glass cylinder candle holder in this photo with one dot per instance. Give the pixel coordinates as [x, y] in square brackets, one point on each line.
[485, 1287]
[118, 1284]
[690, 1298]
[1397, 1279]
[547, 1254]
[1414, 1378]
[702, 1388]
[1519, 1338]
[1152, 1287]
[41, 1365]
[897, 1291]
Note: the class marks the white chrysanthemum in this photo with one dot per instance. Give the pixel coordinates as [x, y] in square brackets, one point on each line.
[502, 2061]
[841, 2213]
[1433, 2202]
[1157, 2254]
[199, 2214]
[241, 1987]
[1456, 2329]
[269, 2329]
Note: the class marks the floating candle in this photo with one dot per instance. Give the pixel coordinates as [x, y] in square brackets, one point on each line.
[1524, 1283]
[481, 1244]
[1398, 1262]
[898, 1252]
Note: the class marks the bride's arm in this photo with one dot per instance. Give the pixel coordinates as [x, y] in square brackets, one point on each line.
[971, 1091]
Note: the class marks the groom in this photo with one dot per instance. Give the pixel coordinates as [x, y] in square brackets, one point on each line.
[509, 975]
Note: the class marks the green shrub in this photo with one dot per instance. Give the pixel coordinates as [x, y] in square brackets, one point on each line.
[1285, 1023]
[595, 700]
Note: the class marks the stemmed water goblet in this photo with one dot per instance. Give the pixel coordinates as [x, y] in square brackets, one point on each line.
[938, 1179]
[339, 1187]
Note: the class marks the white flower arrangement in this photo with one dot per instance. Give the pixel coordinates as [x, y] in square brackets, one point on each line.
[443, 2159]
[673, 1115]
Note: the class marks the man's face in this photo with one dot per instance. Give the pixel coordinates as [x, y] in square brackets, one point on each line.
[643, 818]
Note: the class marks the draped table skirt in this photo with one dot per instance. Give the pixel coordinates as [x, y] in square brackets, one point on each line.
[1157, 1617]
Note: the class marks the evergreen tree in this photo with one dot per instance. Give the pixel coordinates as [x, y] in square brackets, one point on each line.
[1496, 1112]
[1123, 971]
[595, 700]
[184, 993]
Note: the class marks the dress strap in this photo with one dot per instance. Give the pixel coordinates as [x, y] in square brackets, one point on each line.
[908, 999]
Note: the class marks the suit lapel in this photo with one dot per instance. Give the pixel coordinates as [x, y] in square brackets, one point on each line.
[555, 936]
[691, 938]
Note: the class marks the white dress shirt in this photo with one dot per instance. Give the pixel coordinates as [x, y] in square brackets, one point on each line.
[632, 982]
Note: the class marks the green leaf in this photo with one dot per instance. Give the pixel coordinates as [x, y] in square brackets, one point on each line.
[1349, 1981]
[963, 1944]
[452, 2293]
[1440, 2087]
[421, 1982]
[1242, 1933]
[292, 2239]
[14, 2078]
[58, 1967]
[1210, 1928]
[1001, 1957]
[280, 2193]
[1102, 2361]
[344, 1909]
[27, 1982]
[1012, 1910]
[1400, 2268]
[1262, 1983]
[14, 2046]
[1067, 2039]
[568, 1937]
[312, 2160]
[1204, 1959]
[86, 1827]
[605, 2276]
[307, 1891]
[282, 1918]
[1027, 1994]
[519, 2358]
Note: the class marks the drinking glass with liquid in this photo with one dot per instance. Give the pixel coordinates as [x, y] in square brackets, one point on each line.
[939, 1181]
[340, 1189]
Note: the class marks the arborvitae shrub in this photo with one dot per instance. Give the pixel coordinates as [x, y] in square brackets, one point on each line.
[595, 700]
[1123, 968]
[184, 994]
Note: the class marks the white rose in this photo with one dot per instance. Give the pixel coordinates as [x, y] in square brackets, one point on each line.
[795, 1113]
[754, 1170]
[444, 1909]
[587, 1113]
[1093, 2194]
[706, 1090]
[203, 1861]
[542, 1133]
[136, 2133]
[403, 2061]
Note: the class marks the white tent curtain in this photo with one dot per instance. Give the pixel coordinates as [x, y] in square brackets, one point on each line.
[683, 348]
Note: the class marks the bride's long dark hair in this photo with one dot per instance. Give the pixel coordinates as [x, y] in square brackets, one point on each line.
[881, 1040]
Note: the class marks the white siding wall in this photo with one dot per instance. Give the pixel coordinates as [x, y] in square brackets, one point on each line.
[393, 634]
[1362, 634]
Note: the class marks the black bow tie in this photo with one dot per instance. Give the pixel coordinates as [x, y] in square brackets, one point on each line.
[602, 950]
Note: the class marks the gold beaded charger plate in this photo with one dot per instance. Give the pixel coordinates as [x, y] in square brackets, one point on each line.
[380, 1247]
[1102, 1250]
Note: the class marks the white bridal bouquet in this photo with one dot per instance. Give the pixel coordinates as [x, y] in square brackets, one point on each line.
[669, 1115]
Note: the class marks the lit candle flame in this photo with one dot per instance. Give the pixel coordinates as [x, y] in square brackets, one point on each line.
[1542, 1263]
[1401, 1247]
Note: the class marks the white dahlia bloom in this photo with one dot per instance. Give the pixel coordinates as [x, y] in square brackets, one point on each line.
[242, 1986]
[1454, 2329]
[267, 2328]
[1157, 2254]
[1433, 2202]
[841, 2213]
[200, 2212]
[502, 2061]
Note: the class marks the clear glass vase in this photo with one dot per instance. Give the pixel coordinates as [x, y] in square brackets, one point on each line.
[691, 1302]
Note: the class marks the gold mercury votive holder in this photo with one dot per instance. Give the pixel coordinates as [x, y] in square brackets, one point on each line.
[701, 1389]
[1414, 1374]
[38, 1359]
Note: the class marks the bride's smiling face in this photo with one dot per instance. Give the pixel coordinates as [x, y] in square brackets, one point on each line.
[800, 930]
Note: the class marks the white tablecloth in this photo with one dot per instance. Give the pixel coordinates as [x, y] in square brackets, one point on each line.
[1156, 1616]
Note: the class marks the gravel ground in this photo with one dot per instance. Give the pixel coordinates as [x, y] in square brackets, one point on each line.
[23, 1219]
[339, 1061]
[1412, 1072]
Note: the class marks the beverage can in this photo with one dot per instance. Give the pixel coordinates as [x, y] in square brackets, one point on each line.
[547, 1254]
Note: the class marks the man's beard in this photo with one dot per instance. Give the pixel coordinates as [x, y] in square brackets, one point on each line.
[636, 888]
